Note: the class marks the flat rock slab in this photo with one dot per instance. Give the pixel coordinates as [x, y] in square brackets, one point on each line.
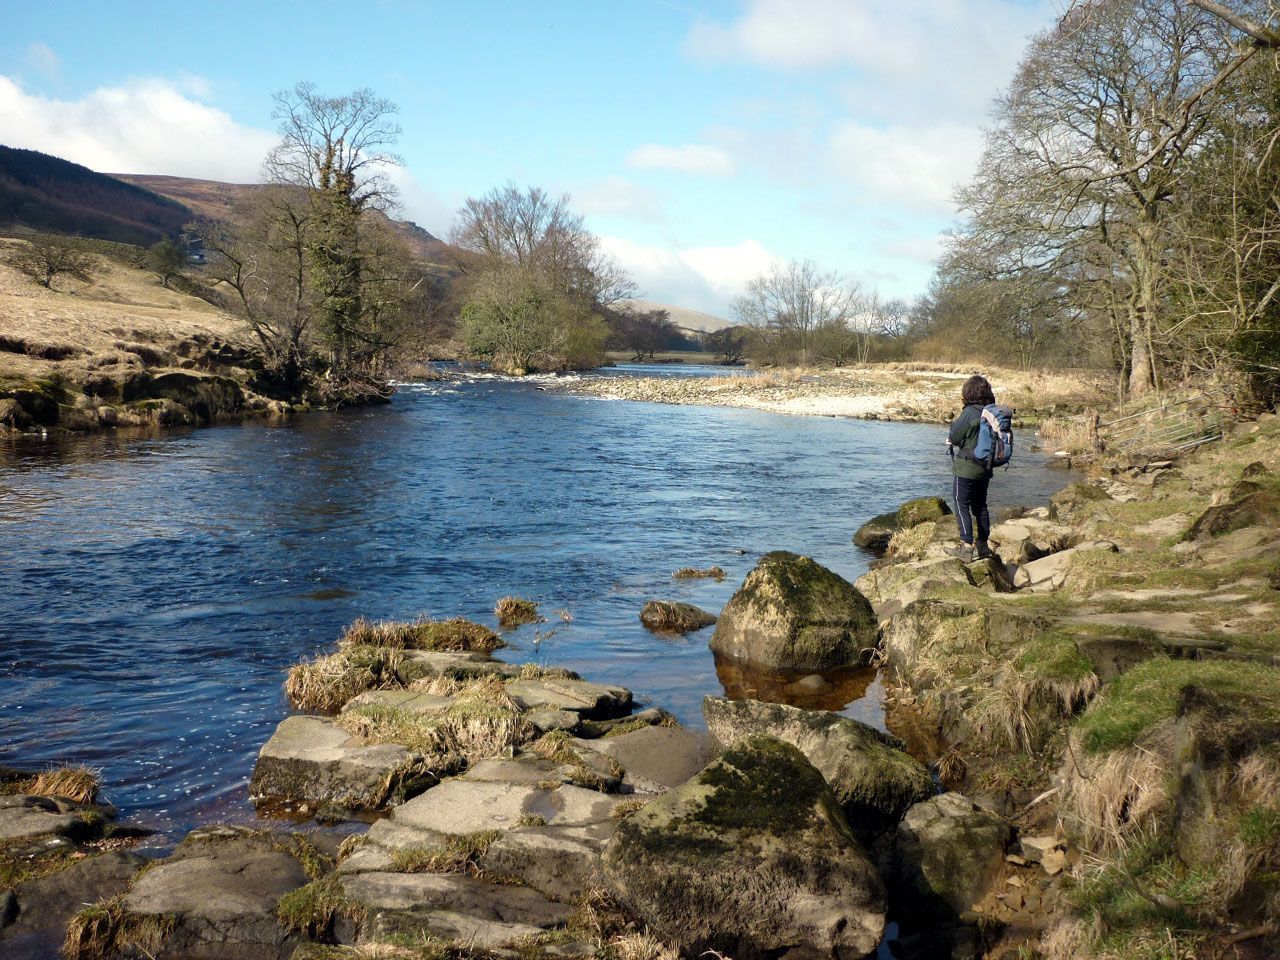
[527, 770]
[556, 861]
[1051, 572]
[400, 902]
[447, 925]
[25, 817]
[462, 665]
[467, 806]
[221, 893]
[50, 902]
[591, 700]
[655, 756]
[544, 721]
[406, 701]
[313, 759]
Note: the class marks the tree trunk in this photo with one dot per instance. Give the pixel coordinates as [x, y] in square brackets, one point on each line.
[1142, 364]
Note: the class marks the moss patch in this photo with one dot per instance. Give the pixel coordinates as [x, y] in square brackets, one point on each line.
[760, 784]
[312, 909]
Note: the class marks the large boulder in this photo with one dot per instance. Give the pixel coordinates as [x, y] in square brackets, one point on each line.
[1261, 508]
[949, 852]
[872, 777]
[922, 510]
[792, 613]
[208, 397]
[875, 534]
[752, 858]
[652, 758]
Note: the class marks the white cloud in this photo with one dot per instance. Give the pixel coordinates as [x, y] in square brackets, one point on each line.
[700, 278]
[618, 197]
[915, 167]
[424, 206]
[686, 158]
[42, 57]
[142, 126]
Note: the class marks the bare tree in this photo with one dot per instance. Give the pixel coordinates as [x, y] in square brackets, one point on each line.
[45, 258]
[790, 301]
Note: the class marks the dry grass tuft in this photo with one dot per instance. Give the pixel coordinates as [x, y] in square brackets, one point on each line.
[1072, 434]
[106, 929]
[626, 808]
[78, 784]
[326, 683]
[533, 671]
[454, 634]
[458, 854]
[1117, 797]
[312, 909]
[513, 612]
[639, 946]
[715, 573]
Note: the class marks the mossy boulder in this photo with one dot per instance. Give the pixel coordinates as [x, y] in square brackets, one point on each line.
[1070, 503]
[922, 510]
[752, 858]
[874, 779]
[207, 397]
[875, 534]
[891, 587]
[949, 853]
[1255, 509]
[792, 613]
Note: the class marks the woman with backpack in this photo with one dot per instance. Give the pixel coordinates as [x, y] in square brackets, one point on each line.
[980, 439]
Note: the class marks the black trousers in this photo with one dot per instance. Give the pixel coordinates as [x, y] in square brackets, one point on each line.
[971, 505]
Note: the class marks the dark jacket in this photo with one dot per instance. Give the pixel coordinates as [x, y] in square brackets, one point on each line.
[964, 438]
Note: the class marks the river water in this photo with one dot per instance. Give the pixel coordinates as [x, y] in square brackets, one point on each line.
[156, 588]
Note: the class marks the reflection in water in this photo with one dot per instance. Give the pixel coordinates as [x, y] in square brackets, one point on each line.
[158, 586]
[830, 690]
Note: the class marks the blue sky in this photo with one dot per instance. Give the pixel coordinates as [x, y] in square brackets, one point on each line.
[703, 140]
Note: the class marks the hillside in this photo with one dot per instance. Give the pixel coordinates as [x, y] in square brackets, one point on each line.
[47, 194]
[221, 201]
[684, 318]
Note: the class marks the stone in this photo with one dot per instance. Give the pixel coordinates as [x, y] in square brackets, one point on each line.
[12, 415]
[1035, 848]
[875, 534]
[408, 903]
[545, 721]
[405, 701]
[792, 613]
[948, 855]
[891, 587]
[314, 760]
[654, 758]
[751, 858]
[1113, 654]
[874, 779]
[990, 573]
[1050, 573]
[468, 806]
[589, 700]
[207, 397]
[557, 861]
[48, 903]
[1053, 862]
[668, 616]
[1258, 509]
[24, 817]
[922, 510]
[1070, 503]
[219, 891]
[458, 664]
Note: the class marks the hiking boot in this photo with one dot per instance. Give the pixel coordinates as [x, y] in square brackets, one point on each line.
[985, 551]
[963, 552]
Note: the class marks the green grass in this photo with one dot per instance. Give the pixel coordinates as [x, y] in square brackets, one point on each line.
[1141, 698]
[312, 909]
[458, 854]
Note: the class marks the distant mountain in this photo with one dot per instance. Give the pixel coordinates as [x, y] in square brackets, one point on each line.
[49, 194]
[219, 201]
[684, 318]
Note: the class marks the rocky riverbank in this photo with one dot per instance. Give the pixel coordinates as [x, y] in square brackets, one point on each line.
[1096, 777]
[913, 392]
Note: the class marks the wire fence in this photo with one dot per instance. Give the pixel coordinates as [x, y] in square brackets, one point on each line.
[1168, 426]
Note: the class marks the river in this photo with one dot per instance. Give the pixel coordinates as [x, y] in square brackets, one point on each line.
[157, 587]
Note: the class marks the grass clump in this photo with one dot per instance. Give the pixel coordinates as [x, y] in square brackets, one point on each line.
[458, 854]
[106, 929]
[483, 721]
[312, 909]
[454, 634]
[715, 573]
[513, 612]
[326, 683]
[626, 808]
[533, 671]
[79, 784]
[555, 746]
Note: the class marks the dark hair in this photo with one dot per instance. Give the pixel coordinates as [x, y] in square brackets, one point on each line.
[977, 390]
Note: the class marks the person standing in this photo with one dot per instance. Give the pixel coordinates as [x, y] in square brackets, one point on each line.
[972, 476]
